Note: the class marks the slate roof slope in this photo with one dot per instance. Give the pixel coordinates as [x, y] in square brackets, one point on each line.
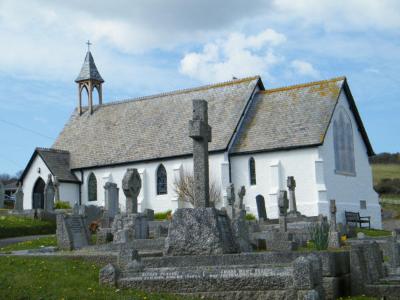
[89, 70]
[58, 162]
[289, 117]
[153, 127]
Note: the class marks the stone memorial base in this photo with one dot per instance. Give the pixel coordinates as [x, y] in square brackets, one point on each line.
[281, 241]
[127, 227]
[200, 231]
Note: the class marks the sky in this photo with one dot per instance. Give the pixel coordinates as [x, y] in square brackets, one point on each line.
[147, 47]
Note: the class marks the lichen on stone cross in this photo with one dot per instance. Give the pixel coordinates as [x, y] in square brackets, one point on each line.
[131, 185]
[333, 210]
[283, 203]
[200, 132]
[241, 194]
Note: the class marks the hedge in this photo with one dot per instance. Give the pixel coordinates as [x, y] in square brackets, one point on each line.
[12, 226]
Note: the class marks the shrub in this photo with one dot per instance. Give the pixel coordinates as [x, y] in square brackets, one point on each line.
[11, 226]
[388, 186]
[250, 217]
[166, 215]
[62, 205]
[319, 232]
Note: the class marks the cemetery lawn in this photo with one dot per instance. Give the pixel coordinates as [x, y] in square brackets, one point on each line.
[33, 244]
[12, 226]
[60, 278]
[374, 232]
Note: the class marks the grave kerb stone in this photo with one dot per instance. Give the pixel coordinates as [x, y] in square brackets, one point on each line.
[49, 193]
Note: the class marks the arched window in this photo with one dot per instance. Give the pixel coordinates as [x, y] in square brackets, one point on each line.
[252, 171]
[343, 144]
[92, 187]
[161, 180]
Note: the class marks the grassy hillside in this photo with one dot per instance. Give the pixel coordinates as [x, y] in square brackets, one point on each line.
[381, 171]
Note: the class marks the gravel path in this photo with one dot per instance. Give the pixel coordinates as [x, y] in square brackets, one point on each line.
[13, 240]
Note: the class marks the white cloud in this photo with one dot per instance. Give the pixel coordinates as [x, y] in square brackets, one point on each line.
[304, 68]
[236, 55]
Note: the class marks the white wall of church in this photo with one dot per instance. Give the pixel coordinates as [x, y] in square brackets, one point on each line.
[148, 197]
[69, 192]
[349, 190]
[272, 169]
[30, 179]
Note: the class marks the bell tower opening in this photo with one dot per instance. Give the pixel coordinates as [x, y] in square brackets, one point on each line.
[88, 80]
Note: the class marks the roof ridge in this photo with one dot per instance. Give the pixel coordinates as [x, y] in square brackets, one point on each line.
[182, 91]
[300, 85]
[51, 150]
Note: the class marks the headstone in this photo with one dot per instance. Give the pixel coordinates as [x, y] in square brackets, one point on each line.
[2, 194]
[291, 184]
[91, 213]
[131, 185]
[149, 214]
[230, 196]
[72, 232]
[262, 213]
[19, 198]
[200, 132]
[57, 189]
[334, 234]
[111, 199]
[394, 251]
[360, 235]
[241, 231]
[49, 193]
[283, 206]
[241, 194]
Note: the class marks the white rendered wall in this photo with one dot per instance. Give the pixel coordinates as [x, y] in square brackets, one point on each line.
[148, 197]
[348, 190]
[69, 192]
[30, 179]
[272, 169]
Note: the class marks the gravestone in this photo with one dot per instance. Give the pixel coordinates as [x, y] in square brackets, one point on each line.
[91, 213]
[201, 230]
[334, 234]
[57, 189]
[241, 194]
[291, 184]
[230, 196]
[111, 199]
[262, 213]
[2, 194]
[72, 232]
[283, 206]
[19, 198]
[200, 132]
[149, 213]
[131, 185]
[49, 193]
[394, 251]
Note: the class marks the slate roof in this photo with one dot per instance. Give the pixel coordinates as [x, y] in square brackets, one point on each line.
[153, 127]
[89, 70]
[292, 117]
[57, 161]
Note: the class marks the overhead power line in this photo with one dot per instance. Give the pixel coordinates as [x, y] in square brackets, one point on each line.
[26, 129]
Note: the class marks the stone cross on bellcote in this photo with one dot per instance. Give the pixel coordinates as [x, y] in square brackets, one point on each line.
[88, 43]
[200, 132]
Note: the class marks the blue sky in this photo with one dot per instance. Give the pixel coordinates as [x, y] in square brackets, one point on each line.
[143, 48]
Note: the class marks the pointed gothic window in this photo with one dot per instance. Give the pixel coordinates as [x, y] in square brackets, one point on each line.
[252, 171]
[92, 187]
[161, 180]
[343, 144]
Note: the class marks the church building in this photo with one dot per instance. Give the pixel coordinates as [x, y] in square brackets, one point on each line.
[260, 136]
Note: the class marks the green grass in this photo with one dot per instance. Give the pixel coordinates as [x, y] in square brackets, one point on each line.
[33, 244]
[11, 226]
[250, 217]
[58, 278]
[374, 232]
[162, 215]
[381, 171]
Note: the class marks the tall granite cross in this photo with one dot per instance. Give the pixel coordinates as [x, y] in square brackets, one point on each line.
[200, 132]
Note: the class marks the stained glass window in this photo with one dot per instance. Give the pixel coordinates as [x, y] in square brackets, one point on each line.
[92, 187]
[252, 169]
[343, 144]
[161, 180]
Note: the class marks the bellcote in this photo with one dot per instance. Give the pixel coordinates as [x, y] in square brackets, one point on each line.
[89, 79]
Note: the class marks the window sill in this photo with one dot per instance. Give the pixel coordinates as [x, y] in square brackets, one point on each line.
[344, 173]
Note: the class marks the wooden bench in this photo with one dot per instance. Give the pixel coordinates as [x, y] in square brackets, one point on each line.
[354, 217]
